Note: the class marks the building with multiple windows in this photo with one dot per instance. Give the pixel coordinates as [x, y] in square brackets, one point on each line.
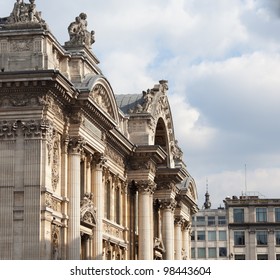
[209, 233]
[253, 228]
[248, 228]
[84, 173]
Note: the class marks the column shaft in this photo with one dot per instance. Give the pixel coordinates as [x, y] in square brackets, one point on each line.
[99, 203]
[74, 240]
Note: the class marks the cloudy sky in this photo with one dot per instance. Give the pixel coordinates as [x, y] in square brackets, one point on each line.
[222, 61]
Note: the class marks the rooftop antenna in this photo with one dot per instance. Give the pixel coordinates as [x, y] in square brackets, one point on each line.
[245, 179]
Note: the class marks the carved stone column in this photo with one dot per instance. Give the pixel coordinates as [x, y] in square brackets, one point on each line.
[145, 227]
[168, 207]
[178, 238]
[98, 163]
[74, 187]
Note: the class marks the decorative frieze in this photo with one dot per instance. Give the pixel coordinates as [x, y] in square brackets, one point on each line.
[52, 202]
[21, 45]
[113, 230]
[113, 155]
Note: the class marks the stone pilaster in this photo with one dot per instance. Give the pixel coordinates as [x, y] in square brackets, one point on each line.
[74, 188]
[7, 182]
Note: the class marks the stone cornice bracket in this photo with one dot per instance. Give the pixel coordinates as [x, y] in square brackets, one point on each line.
[145, 186]
[168, 204]
[76, 145]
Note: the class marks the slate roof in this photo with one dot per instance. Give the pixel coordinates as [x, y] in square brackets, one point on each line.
[128, 101]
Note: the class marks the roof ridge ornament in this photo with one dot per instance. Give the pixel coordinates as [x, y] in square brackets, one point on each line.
[79, 35]
[23, 14]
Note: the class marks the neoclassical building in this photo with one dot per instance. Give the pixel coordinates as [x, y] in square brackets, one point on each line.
[84, 173]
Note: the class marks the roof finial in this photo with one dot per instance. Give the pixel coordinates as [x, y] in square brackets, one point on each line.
[207, 203]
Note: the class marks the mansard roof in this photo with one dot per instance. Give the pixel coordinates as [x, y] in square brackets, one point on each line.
[127, 102]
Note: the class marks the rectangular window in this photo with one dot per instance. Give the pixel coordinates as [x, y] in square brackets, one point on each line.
[261, 237]
[278, 257]
[238, 215]
[262, 257]
[277, 214]
[222, 220]
[222, 252]
[239, 257]
[212, 235]
[212, 253]
[200, 221]
[193, 253]
[277, 237]
[239, 238]
[201, 253]
[222, 235]
[193, 236]
[200, 235]
[211, 221]
[261, 214]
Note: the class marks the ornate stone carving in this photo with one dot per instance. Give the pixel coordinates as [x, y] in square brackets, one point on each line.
[88, 211]
[168, 204]
[99, 96]
[110, 153]
[21, 45]
[19, 100]
[79, 35]
[55, 163]
[78, 118]
[55, 242]
[52, 202]
[7, 129]
[76, 144]
[49, 103]
[24, 13]
[99, 160]
[146, 186]
[176, 151]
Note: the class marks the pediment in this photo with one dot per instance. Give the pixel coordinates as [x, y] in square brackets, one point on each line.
[101, 94]
[88, 211]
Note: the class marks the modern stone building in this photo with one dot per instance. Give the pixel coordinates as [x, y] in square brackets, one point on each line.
[84, 173]
[209, 233]
[248, 228]
[254, 228]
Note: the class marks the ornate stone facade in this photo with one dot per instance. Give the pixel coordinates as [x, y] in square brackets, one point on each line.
[84, 173]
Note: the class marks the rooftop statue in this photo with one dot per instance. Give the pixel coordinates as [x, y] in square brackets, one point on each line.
[23, 13]
[79, 35]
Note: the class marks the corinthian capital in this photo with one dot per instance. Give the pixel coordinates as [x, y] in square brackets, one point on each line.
[99, 159]
[76, 145]
[168, 204]
[146, 186]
